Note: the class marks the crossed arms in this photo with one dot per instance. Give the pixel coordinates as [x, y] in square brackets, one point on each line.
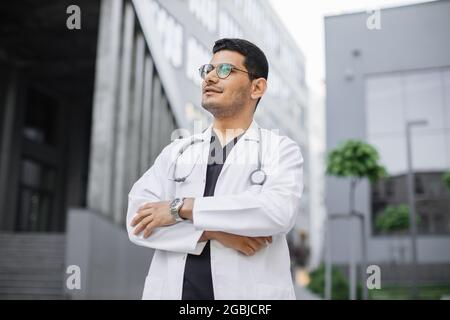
[156, 214]
[245, 222]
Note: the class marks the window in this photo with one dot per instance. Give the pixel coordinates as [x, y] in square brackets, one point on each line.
[432, 200]
[254, 13]
[40, 124]
[418, 185]
[197, 55]
[228, 27]
[206, 12]
[36, 196]
[171, 34]
[274, 88]
[406, 96]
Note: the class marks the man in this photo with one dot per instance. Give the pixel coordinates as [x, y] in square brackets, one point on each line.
[217, 206]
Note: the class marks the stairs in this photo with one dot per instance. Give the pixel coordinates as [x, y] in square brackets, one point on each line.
[32, 266]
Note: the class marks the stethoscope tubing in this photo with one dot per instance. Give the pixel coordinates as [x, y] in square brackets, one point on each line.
[253, 174]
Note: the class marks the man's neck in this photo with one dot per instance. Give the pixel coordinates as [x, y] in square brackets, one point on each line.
[228, 128]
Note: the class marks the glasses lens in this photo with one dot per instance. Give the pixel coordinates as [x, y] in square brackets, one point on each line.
[224, 70]
[204, 70]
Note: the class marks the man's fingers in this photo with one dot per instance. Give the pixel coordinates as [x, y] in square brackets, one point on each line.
[250, 251]
[260, 241]
[148, 229]
[257, 243]
[246, 250]
[266, 240]
[140, 215]
[147, 205]
[141, 226]
[254, 244]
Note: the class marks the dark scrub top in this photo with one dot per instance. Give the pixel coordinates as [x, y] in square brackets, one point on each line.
[197, 282]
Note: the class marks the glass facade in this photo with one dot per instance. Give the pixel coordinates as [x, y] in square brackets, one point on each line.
[411, 96]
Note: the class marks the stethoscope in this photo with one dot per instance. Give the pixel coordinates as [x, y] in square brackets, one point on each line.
[257, 176]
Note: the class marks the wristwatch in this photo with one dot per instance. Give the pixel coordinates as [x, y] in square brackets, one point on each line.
[175, 206]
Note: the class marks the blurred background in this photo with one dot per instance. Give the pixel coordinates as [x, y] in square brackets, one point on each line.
[91, 91]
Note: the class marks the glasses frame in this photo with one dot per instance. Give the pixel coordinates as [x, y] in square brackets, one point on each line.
[216, 67]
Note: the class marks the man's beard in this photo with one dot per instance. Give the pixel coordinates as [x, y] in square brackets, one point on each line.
[224, 111]
[220, 112]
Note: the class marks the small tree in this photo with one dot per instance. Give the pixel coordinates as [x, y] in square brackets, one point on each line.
[357, 160]
[446, 179]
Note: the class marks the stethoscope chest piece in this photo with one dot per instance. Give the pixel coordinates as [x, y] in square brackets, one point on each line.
[258, 176]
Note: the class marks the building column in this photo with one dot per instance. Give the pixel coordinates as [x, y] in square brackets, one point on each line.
[165, 130]
[156, 114]
[146, 116]
[6, 146]
[101, 162]
[136, 112]
[120, 172]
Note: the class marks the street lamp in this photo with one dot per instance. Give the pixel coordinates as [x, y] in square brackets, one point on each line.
[412, 204]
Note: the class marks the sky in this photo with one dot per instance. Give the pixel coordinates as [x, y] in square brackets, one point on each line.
[304, 20]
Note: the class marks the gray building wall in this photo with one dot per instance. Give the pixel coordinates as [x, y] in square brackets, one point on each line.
[411, 38]
[111, 267]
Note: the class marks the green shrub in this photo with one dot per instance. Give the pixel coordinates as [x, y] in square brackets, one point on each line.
[394, 218]
[446, 179]
[339, 286]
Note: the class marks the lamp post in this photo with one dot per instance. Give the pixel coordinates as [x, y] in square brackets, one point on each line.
[328, 262]
[412, 205]
[328, 276]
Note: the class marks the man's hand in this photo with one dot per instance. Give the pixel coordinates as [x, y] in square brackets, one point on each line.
[246, 245]
[152, 215]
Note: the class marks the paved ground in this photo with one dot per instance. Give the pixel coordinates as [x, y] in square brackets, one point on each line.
[304, 294]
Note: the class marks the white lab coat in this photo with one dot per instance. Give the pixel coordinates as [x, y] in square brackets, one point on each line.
[237, 207]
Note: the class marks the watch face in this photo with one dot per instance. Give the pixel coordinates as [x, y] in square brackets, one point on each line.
[175, 203]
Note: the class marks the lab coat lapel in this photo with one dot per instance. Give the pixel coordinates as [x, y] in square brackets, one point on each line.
[243, 149]
[206, 136]
[195, 183]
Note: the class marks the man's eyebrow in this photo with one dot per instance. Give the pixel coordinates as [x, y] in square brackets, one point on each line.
[215, 64]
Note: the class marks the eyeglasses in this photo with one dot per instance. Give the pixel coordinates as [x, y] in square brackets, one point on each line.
[223, 70]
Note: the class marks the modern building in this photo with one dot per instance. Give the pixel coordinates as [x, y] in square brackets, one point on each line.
[384, 69]
[84, 112]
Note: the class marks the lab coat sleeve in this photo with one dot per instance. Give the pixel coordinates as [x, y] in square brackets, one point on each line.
[152, 187]
[271, 211]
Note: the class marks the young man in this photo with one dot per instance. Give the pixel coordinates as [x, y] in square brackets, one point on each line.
[217, 206]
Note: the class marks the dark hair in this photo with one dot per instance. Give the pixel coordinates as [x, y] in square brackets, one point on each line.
[255, 60]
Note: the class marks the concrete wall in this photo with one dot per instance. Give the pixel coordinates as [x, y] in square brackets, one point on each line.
[411, 38]
[111, 266]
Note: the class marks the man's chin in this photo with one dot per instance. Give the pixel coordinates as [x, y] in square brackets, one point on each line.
[209, 105]
[212, 108]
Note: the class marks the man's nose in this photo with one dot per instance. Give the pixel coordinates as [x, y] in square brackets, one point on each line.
[211, 77]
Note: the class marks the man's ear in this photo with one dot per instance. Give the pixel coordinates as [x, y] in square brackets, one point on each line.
[259, 87]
